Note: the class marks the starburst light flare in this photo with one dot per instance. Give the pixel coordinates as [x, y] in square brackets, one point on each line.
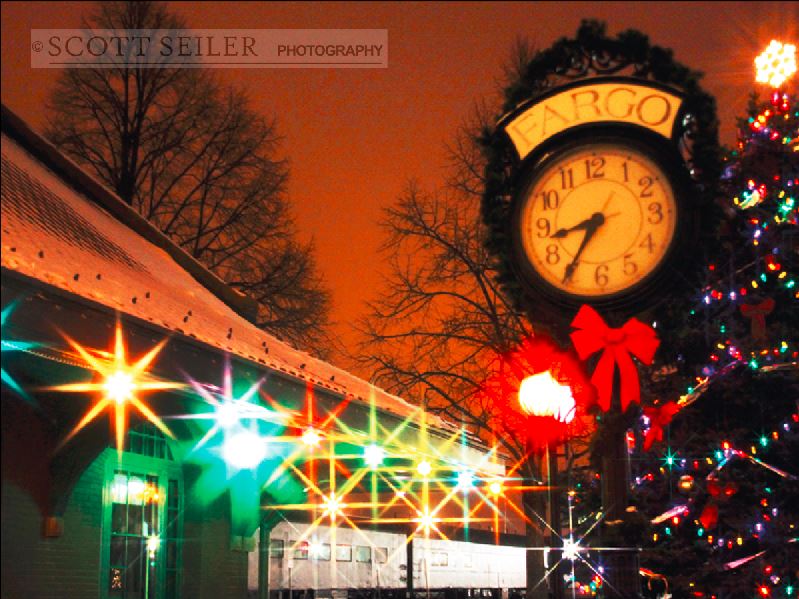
[231, 415]
[12, 345]
[120, 384]
[776, 64]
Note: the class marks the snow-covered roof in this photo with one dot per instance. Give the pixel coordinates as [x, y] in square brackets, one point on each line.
[79, 238]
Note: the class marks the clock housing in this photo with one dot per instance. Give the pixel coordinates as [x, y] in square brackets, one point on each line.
[604, 217]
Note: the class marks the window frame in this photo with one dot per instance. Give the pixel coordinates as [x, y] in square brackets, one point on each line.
[339, 547]
[357, 558]
[300, 547]
[273, 552]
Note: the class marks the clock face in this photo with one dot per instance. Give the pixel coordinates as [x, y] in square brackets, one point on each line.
[597, 220]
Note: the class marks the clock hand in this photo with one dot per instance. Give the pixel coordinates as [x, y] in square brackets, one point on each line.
[563, 232]
[587, 222]
[597, 220]
[610, 197]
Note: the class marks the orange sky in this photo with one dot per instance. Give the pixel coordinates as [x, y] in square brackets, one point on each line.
[355, 137]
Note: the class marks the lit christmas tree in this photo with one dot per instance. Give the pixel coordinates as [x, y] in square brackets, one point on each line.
[718, 477]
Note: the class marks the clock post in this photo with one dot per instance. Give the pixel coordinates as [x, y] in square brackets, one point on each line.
[621, 564]
[600, 178]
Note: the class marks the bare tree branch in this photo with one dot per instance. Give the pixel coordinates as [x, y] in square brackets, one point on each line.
[193, 159]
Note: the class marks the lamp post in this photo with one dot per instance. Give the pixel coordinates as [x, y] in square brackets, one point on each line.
[542, 395]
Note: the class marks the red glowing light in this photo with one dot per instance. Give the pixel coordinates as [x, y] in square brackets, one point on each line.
[772, 263]
[501, 391]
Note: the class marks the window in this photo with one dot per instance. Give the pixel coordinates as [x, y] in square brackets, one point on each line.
[439, 559]
[134, 518]
[363, 554]
[381, 555]
[321, 551]
[276, 548]
[143, 551]
[343, 553]
[142, 521]
[300, 550]
[148, 441]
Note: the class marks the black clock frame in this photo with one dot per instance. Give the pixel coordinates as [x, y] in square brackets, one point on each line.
[649, 289]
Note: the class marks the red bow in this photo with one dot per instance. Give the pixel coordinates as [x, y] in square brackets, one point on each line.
[659, 418]
[722, 491]
[635, 338]
[758, 313]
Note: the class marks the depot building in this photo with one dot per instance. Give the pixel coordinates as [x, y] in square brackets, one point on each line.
[153, 436]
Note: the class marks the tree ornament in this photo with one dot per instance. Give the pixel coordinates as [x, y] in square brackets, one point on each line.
[686, 483]
[659, 418]
[757, 314]
[634, 337]
[721, 491]
[709, 516]
[776, 64]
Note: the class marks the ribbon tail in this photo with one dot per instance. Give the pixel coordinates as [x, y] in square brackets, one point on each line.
[602, 379]
[628, 375]
[649, 439]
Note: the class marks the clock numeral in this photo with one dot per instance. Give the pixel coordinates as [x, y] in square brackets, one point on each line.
[648, 243]
[646, 183]
[550, 199]
[543, 227]
[655, 213]
[630, 267]
[566, 178]
[601, 275]
[626, 174]
[598, 164]
[553, 257]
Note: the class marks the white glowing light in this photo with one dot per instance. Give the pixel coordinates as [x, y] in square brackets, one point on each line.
[495, 487]
[119, 386]
[153, 543]
[373, 455]
[776, 64]
[311, 437]
[426, 520]
[424, 468]
[465, 479]
[315, 549]
[227, 414]
[571, 549]
[542, 395]
[136, 488]
[244, 450]
[333, 505]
